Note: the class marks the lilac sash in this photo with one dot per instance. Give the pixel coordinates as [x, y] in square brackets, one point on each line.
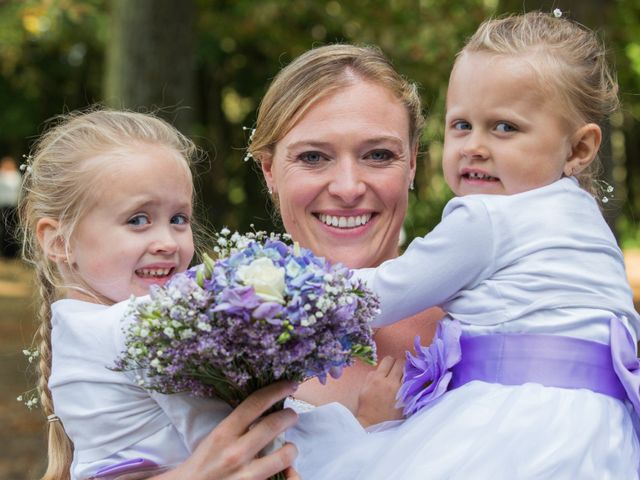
[137, 468]
[553, 361]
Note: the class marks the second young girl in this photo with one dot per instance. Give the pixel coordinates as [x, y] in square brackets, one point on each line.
[533, 374]
[106, 213]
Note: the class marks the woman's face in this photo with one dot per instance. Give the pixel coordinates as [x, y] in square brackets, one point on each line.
[342, 174]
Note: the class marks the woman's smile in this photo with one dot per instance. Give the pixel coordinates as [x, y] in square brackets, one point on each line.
[344, 221]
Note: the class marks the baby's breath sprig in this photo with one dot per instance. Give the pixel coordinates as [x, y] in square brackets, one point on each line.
[248, 155]
[604, 190]
[32, 354]
[30, 399]
[226, 243]
[26, 163]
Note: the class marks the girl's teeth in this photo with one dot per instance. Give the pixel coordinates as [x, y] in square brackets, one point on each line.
[154, 272]
[479, 176]
[345, 222]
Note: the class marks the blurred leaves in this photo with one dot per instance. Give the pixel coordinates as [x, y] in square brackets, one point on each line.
[243, 44]
[52, 56]
[50, 60]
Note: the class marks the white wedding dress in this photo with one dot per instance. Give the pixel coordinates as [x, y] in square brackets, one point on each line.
[479, 431]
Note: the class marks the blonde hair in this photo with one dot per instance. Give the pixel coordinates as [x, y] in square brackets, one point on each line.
[316, 74]
[569, 57]
[58, 184]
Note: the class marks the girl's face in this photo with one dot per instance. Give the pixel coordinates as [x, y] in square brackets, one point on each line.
[138, 231]
[502, 134]
[342, 175]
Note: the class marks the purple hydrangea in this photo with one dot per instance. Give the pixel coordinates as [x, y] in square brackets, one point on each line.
[267, 311]
[427, 373]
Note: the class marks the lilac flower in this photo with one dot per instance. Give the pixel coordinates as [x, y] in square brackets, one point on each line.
[268, 311]
[263, 311]
[427, 374]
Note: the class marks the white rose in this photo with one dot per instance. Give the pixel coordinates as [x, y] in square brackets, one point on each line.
[266, 279]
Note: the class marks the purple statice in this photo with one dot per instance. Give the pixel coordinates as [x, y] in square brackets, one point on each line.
[427, 373]
[266, 311]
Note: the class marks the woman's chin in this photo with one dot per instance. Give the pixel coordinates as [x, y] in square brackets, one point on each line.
[362, 255]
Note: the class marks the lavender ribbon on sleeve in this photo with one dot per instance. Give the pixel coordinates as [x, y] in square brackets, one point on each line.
[427, 373]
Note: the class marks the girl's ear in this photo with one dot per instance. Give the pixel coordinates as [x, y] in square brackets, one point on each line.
[50, 240]
[266, 164]
[584, 147]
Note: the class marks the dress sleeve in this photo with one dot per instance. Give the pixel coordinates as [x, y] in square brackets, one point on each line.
[456, 255]
[192, 417]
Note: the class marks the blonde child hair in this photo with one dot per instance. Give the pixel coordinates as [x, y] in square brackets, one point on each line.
[570, 61]
[60, 177]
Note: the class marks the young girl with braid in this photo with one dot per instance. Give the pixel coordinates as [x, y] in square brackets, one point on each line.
[106, 212]
[533, 372]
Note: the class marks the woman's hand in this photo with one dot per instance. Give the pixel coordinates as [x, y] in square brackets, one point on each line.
[230, 450]
[377, 399]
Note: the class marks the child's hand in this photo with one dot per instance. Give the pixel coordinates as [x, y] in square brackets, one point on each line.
[377, 399]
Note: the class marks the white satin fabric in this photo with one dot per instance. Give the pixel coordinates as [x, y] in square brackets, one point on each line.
[480, 431]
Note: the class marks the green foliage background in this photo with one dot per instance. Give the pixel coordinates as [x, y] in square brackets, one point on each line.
[52, 59]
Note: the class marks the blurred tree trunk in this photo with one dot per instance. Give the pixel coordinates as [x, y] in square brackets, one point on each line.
[151, 58]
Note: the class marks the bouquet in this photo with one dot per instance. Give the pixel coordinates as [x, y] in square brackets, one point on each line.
[265, 310]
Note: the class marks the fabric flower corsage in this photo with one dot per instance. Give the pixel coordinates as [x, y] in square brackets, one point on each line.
[427, 373]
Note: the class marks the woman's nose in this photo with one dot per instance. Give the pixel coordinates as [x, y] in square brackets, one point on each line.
[347, 182]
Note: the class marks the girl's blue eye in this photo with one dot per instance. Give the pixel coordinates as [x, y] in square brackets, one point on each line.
[505, 127]
[311, 157]
[180, 219]
[139, 220]
[462, 125]
[380, 155]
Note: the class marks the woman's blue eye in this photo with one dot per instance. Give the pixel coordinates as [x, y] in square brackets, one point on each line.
[505, 127]
[311, 157]
[380, 155]
[138, 220]
[180, 220]
[462, 125]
